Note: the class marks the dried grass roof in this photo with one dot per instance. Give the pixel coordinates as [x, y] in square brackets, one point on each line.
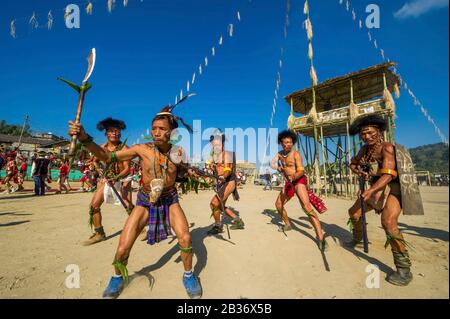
[367, 84]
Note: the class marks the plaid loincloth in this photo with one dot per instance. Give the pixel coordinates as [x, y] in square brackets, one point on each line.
[158, 215]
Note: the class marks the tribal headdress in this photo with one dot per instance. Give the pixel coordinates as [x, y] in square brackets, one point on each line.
[111, 123]
[173, 120]
[369, 120]
[287, 134]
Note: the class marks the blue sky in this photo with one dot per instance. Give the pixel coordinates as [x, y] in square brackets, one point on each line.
[149, 50]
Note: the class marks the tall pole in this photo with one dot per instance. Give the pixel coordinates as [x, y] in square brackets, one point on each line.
[349, 161]
[23, 130]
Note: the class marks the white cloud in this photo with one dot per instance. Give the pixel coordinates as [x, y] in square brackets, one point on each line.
[418, 7]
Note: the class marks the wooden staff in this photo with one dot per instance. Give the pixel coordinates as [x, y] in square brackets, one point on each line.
[85, 86]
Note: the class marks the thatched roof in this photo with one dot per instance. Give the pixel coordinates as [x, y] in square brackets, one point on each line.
[44, 143]
[367, 84]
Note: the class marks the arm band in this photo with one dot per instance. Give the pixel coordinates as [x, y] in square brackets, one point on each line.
[227, 169]
[388, 171]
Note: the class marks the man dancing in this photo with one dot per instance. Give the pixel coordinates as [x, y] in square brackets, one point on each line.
[11, 173]
[376, 162]
[157, 203]
[112, 173]
[63, 177]
[295, 172]
[223, 166]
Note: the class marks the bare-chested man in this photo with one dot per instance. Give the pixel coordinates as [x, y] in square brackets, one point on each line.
[223, 166]
[376, 161]
[113, 174]
[157, 204]
[295, 172]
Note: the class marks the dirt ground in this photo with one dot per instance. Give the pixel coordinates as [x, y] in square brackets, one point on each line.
[41, 236]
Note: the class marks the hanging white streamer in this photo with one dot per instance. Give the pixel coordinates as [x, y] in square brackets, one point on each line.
[193, 79]
[12, 29]
[200, 69]
[50, 20]
[213, 51]
[347, 5]
[110, 5]
[231, 29]
[239, 16]
[33, 21]
[125, 3]
[360, 24]
[206, 61]
[188, 86]
[353, 14]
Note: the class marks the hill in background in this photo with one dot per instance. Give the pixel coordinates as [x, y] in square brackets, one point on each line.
[433, 158]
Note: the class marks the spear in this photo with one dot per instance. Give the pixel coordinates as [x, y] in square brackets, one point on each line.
[82, 90]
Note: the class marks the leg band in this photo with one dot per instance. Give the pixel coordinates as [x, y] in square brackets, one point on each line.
[188, 250]
[122, 268]
[92, 212]
[397, 242]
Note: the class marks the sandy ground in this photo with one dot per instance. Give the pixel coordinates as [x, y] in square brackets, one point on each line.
[41, 236]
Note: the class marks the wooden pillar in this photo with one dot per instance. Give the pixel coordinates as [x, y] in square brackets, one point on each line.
[307, 152]
[352, 192]
[324, 162]
[339, 161]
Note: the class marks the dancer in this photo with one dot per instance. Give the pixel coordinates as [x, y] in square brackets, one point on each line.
[157, 202]
[112, 175]
[377, 163]
[296, 185]
[224, 167]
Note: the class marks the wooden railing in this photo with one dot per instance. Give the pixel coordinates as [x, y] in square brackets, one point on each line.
[341, 114]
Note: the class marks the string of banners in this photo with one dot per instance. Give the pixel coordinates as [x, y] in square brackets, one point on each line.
[280, 68]
[190, 83]
[46, 20]
[206, 61]
[404, 85]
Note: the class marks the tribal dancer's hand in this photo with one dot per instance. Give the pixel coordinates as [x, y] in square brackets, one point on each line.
[367, 195]
[78, 130]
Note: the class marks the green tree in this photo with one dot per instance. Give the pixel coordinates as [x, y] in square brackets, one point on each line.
[13, 129]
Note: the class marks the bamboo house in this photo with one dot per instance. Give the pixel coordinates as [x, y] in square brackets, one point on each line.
[321, 116]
